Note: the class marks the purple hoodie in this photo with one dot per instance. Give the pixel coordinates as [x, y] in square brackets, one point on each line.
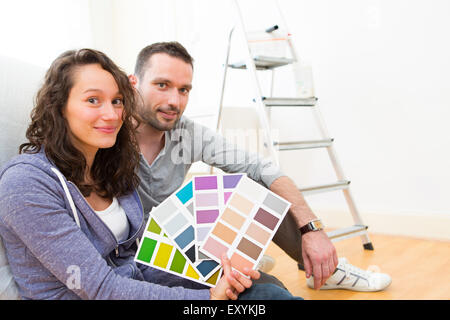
[52, 258]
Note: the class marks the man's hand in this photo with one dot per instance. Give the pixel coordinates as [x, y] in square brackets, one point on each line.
[319, 257]
[319, 254]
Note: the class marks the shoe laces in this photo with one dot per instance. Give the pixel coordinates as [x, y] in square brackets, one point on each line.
[349, 268]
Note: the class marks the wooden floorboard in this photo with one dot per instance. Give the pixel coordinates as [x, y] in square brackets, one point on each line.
[420, 269]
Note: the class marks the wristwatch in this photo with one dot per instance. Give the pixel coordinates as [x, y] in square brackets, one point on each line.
[314, 225]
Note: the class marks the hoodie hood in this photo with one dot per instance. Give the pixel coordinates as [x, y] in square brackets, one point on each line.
[96, 230]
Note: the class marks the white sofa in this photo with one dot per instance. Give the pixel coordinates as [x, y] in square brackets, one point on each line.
[19, 82]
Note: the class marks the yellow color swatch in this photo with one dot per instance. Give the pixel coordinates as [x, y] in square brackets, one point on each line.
[191, 273]
[213, 279]
[163, 255]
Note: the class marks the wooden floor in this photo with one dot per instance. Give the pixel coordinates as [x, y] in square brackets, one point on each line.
[420, 269]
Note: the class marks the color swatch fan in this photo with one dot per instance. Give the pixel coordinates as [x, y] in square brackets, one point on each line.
[157, 251]
[175, 217]
[246, 226]
[211, 193]
[210, 215]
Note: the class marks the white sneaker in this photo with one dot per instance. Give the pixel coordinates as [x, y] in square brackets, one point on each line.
[266, 264]
[353, 278]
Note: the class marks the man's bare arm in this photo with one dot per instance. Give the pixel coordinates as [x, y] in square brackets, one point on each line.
[319, 254]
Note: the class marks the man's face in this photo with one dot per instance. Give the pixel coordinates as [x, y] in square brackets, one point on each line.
[164, 87]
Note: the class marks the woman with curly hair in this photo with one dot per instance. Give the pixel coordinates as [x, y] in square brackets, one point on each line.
[70, 216]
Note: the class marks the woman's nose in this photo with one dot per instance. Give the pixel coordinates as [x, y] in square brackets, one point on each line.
[110, 112]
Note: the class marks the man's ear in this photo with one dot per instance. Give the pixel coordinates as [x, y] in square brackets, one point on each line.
[133, 80]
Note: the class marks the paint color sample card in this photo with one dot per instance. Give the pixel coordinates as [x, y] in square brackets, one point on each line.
[157, 251]
[175, 217]
[246, 226]
[211, 193]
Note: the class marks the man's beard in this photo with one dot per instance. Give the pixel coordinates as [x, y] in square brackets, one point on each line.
[149, 118]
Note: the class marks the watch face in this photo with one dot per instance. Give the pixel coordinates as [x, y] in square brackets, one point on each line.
[318, 224]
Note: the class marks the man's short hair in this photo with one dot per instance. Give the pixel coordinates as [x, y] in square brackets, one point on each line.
[173, 49]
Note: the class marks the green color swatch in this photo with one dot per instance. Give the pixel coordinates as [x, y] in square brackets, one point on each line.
[147, 248]
[178, 262]
[153, 227]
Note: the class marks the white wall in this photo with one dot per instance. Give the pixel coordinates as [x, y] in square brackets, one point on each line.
[38, 31]
[33, 34]
[382, 74]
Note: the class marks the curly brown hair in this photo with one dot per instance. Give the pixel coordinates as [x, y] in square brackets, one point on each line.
[113, 171]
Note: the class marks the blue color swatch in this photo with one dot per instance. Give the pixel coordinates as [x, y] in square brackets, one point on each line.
[186, 193]
[186, 237]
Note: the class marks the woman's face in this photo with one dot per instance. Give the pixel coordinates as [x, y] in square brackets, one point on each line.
[94, 109]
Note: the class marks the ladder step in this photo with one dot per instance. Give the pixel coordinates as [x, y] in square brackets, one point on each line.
[264, 63]
[344, 184]
[289, 102]
[296, 145]
[347, 232]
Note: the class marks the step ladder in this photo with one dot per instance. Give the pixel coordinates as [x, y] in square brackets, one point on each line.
[253, 63]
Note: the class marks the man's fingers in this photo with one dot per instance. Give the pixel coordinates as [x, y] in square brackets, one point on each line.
[331, 266]
[325, 272]
[307, 265]
[317, 273]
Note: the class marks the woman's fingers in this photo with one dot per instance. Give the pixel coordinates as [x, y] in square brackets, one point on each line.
[236, 280]
[254, 274]
[230, 294]
[235, 283]
[226, 264]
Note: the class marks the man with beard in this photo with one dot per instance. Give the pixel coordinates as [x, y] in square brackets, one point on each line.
[170, 143]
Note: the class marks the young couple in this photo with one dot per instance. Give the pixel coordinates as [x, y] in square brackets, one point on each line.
[99, 157]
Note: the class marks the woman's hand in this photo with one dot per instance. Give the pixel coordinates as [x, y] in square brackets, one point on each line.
[232, 282]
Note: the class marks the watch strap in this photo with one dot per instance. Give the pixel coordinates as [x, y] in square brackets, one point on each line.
[311, 226]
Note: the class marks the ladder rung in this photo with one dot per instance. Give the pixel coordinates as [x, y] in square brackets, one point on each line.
[289, 102]
[296, 145]
[347, 232]
[325, 188]
[264, 63]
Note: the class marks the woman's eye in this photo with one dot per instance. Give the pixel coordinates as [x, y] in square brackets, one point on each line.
[93, 100]
[118, 102]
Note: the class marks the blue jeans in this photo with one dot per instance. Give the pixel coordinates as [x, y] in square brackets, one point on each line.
[266, 291]
[267, 287]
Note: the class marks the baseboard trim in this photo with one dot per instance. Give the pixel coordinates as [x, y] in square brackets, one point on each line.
[432, 226]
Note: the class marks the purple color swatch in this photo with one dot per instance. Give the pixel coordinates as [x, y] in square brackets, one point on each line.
[206, 199]
[202, 233]
[206, 183]
[207, 216]
[227, 196]
[231, 181]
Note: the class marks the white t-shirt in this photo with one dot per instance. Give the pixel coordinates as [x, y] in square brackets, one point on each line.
[115, 218]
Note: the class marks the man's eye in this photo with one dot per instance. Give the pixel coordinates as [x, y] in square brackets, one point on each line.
[184, 90]
[161, 85]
